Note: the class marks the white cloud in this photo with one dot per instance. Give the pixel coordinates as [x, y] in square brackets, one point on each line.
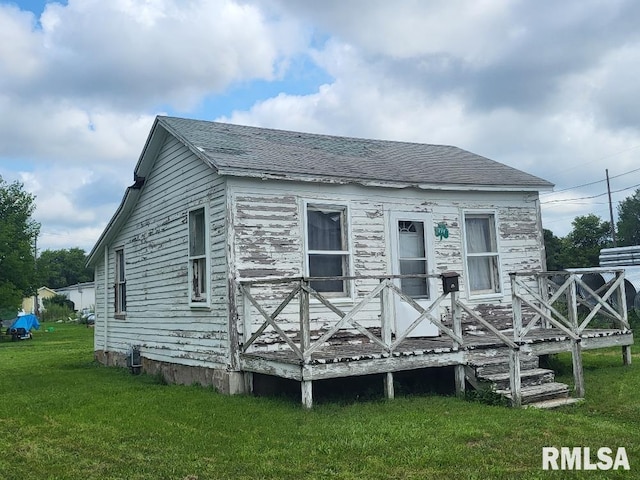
[142, 53]
[550, 88]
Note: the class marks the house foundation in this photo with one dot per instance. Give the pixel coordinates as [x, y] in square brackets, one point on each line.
[223, 380]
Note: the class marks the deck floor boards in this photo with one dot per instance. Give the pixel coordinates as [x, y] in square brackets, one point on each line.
[358, 347]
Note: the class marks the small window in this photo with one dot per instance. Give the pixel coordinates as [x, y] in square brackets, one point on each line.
[198, 273]
[120, 286]
[328, 247]
[483, 261]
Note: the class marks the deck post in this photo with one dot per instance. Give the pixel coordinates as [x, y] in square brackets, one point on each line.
[622, 302]
[456, 319]
[515, 380]
[305, 333]
[578, 373]
[385, 314]
[517, 308]
[626, 355]
[247, 320]
[385, 328]
[306, 388]
[576, 347]
[248, 383]
[389, 391]
[543, 290]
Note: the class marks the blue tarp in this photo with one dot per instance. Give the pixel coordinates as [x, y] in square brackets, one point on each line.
[27, 322]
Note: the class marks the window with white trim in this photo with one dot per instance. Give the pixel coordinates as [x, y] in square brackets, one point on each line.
[198, 270]
[328, 253]
[483, 260]
[120, 284]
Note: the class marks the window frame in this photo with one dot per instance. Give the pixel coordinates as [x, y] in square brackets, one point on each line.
[200, 258]
[120, 283]
[348, 291]
[497, 290]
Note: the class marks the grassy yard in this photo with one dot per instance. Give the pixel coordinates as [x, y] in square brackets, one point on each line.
[62, 416]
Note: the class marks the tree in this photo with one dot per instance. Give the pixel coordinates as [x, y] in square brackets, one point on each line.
[61, 268]
[589, 235]
[629, 220]
[18, 233]
[556, 250]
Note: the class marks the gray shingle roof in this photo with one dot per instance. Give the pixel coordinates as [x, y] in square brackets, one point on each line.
[242, 150]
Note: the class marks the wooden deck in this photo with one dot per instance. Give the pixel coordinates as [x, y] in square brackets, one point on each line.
[358, 356]
[550, 312]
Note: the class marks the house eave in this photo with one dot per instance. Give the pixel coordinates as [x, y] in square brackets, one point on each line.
[234, 172]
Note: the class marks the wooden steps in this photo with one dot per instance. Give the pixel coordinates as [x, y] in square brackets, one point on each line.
[538, 386]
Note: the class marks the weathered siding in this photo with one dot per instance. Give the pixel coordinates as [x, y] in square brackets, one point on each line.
[268, 237]
[155, 242]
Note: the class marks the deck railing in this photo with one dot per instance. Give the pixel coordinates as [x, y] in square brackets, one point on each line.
[556, 304]
[553, 305]
[302, 289]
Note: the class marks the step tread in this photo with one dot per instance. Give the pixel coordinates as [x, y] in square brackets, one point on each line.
[536, 390]
[532, 372]
[479, 361]
[555, 403]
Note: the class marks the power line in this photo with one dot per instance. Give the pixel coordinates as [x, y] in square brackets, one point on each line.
[592, 183]
[567, 200]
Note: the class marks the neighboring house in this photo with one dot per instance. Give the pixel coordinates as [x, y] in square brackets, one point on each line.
[83, 295]
[214, 204]
[28, 304]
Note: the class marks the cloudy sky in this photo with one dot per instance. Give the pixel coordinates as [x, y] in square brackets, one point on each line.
[545, 86]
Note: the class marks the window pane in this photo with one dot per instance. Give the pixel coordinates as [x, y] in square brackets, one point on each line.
[483, 274]
[414, 287]
[122, 297]
[198, 280]
[120, 261]
[411, 238]
[479, 234]
[325, 229]
[327, 266]
[196, 232]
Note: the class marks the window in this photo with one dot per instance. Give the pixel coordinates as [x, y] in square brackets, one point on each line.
[120, 286]
[198, 273]
[483, 262]
[412, 258]
[328, 247]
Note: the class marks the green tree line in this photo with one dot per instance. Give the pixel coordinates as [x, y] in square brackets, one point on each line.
[20, 273]
[581, 247]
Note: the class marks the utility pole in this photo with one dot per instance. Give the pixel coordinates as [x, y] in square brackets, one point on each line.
[36, 305]
[613, 226]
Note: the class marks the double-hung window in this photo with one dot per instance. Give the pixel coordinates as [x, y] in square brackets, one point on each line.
[120, 285]
[483, 260]
[328, 253]
[198, 272]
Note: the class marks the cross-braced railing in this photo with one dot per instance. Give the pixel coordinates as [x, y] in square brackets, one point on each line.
[301, 288]
[554, 305]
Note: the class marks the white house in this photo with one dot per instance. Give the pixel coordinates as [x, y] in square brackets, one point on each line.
[215, 204]
[83, 295]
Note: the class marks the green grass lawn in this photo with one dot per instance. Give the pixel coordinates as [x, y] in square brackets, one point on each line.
[62, 416]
